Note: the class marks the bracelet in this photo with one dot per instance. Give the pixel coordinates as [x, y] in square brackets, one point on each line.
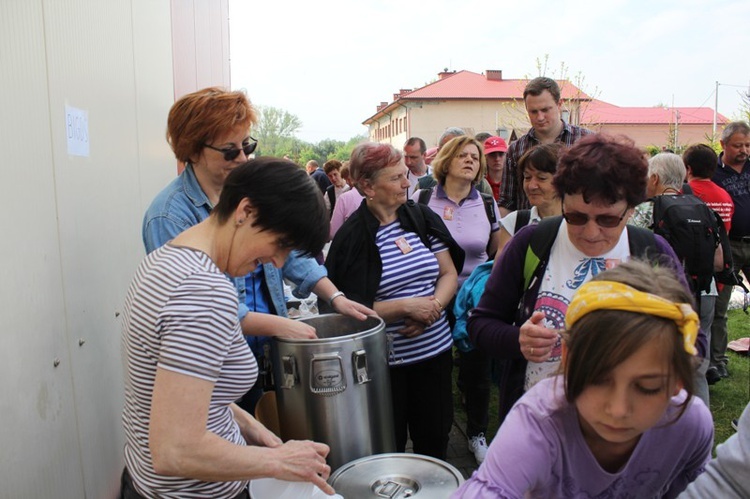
[438, 302]
[334, 296]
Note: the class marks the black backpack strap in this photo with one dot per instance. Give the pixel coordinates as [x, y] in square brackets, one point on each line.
[489, 207]
[331, 191]
[522, 219]
[641, 241]
[424, 196]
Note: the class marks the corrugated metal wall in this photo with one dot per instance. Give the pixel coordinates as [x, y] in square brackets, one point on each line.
[71, 228]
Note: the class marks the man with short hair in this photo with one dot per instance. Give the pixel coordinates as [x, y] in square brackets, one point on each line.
[543, 105]
[494, 153]
[318, 175]
[450, 133]
[733, 175]
[414, 156]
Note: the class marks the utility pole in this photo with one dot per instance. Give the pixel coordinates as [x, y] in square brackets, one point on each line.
[716, 106]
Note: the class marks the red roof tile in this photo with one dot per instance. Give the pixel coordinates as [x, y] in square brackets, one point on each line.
[600, 112]
[468, 85]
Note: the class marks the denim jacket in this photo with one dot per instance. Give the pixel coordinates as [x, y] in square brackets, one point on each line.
[182, 204]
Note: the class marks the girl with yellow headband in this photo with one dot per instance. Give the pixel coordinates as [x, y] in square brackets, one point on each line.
[620, 421]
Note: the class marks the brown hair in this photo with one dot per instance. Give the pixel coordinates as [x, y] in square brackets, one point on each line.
[201, 117]
[541, 83]
[331, 164]
[595, 347]
[451, 150]
[542, 158]
[602, 168]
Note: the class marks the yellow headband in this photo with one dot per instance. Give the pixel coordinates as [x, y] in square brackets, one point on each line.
[609, 295]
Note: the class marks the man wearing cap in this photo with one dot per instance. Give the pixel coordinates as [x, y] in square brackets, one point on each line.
[414, 156]
[494, 154]
[543, 105]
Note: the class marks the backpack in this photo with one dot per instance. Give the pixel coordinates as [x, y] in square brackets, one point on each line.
[692, 229]
[489, 202]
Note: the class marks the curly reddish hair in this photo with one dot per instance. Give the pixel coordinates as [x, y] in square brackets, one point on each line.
[202, 117]
[604, 169]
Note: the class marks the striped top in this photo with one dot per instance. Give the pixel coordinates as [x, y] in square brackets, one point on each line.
[181, 315]
[406, 275]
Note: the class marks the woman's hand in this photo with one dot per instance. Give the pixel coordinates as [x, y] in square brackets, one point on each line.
[536, 341]
[345, 306]
[424, 309]
[303, 461]
[411, 328]
[295, 330]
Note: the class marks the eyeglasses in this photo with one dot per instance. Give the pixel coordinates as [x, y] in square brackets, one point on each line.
[606, 221]
[231, 153]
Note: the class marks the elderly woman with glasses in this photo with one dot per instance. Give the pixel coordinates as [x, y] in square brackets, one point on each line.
[599, 181]
[398, 257]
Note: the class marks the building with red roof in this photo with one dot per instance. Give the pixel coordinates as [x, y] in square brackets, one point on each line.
[488, 103]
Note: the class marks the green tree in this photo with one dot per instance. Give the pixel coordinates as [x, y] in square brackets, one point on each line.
[275, 131]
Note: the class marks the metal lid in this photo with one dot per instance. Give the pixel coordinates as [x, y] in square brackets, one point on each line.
[396, 476]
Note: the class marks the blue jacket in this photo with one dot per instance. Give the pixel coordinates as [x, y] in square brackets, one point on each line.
[182, 204]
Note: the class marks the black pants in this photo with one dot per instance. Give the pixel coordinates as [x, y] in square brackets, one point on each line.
[474, 380]
[127, 491]
[423, 405]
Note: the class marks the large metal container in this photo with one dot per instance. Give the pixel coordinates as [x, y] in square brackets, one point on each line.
[336, 389]
[396, 476]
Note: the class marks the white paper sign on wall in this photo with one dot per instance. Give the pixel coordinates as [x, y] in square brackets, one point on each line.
[77, 131]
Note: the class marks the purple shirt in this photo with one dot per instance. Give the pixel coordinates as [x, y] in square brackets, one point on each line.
[346, 204]
[540, 451]
[468, 224]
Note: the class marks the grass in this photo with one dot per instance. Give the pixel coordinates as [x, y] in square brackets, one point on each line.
[728, 397]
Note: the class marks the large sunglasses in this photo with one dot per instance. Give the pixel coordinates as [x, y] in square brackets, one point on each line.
[231, 153]
[606, 221]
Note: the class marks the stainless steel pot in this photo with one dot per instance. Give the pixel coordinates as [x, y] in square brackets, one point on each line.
[336, 389]
[396, 476]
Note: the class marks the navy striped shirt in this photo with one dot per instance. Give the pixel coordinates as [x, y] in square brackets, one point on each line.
[408, 275]
[181, 315]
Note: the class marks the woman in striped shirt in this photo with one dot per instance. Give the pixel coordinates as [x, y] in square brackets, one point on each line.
[184, 355]
[396, 256]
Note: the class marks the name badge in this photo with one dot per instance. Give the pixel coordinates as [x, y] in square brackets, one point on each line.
[448, 213]
[403, 245]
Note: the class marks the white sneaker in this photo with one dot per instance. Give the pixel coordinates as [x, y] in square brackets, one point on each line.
[478, 445]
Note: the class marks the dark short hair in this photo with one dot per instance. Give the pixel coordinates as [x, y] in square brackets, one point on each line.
[331, 164]
[201, 117]
[369, 158]
[287, 202]
[701, 159]
[595, 348]
[417, 141]
[542, 158]
[541, 83]
[602, 168]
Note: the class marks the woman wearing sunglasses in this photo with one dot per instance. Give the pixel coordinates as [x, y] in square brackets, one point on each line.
[599, 181]
[209, 131]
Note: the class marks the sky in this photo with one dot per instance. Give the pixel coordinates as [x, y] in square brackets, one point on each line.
[332, 62]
